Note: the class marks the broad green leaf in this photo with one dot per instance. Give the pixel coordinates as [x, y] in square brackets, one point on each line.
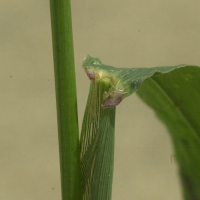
[175, 97]
[174, 94]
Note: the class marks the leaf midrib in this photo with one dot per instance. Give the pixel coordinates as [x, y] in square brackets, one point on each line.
[178, 111]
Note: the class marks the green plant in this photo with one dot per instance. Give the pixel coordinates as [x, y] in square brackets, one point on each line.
[173, 92]
[66, 99]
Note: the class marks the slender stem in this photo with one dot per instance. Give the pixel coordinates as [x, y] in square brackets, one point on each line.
[66, 99]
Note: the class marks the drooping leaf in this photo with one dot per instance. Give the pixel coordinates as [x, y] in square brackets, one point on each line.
[174, 94]
[175, 97]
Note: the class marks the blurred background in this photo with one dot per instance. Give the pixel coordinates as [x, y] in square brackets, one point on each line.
[126, 33]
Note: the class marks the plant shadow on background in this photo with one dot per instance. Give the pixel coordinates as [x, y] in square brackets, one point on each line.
[173, 92]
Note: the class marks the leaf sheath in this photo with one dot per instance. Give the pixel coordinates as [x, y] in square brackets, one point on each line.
[97, 145]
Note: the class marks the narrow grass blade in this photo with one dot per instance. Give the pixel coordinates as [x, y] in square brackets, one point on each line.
[174, 93]
[66, 99]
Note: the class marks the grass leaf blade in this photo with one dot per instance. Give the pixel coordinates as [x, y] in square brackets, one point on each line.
[175, 97]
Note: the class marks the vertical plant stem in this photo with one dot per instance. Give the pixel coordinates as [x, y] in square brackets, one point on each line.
[66, 99]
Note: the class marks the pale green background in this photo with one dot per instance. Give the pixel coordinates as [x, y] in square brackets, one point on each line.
[122, 33]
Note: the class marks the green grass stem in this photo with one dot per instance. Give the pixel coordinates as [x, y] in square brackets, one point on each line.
[66, 99]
